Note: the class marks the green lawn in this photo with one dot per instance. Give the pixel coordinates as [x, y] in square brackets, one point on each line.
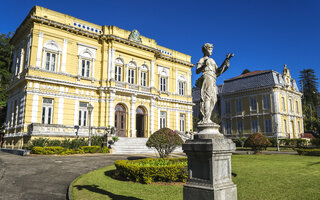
[267, 177]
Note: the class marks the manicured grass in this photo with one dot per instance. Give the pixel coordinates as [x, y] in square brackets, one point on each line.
[259, 177]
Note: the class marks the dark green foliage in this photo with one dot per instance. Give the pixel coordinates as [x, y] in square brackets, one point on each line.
[309, 152]
[38, 142]
[77, 143]
[309, 83]
[245, 71]
[257, 142]
[51, 143]
[66, 143]
[115, 138]
[315, 142]
[153, 170]
[164, 141]
[273, 142]
[97, 140]
[294, 143]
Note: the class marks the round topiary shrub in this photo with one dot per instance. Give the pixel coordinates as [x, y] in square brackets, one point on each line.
[164, 141]
[257, 142]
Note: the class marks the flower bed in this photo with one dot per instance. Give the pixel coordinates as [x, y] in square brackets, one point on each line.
[309, 152]
[65, 151]
[153, 170]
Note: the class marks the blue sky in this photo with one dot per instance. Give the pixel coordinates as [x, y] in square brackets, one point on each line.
[263, 34]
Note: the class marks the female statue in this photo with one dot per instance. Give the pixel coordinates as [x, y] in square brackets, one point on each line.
[210, 72]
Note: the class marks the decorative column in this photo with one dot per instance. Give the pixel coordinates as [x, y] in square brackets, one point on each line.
[152, 104]
[112, 97]
[152, 74]
[112, 64]
[39, 51]
[133, 116]
[64, 55]
[60, 107]
[34, 114]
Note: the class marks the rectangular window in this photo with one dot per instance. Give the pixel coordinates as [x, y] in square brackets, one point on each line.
[163, 84]
[131, 76]
[228, 127]
[118, 73]
[163, 119]
[143, 78]
[268, 125]
[85, 69]
[228, 107]
[290, 105]
[239, 126]
[297, 107]
[83, 113]
[253, 103]
[298, 124]
[285, 126]
[181, 88]
[283, 105]
[266, 102]
[182, 122]
[50, 61]
[254, 125]
[47, 108]
[14, 113]
[239, 105]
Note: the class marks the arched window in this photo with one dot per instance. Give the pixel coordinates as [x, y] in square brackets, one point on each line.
[86, 62]
[163, 81]
[118, 69]
[131, 72]
[182, 85]
[51, 55]
[144, 75]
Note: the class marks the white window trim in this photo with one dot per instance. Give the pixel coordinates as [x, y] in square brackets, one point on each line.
[116, 70]
[256, 104]
[130, 77]
[163, 120]
[182, 120]
[51, 47]
[45, 118]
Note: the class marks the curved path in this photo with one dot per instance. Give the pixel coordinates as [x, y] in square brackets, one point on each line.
[47, 177]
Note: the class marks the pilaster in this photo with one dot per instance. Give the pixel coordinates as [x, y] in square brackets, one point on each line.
[64, 55]
[39, 51]
[133, 116]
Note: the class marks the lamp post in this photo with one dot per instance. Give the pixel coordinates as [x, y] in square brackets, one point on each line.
[90, 108]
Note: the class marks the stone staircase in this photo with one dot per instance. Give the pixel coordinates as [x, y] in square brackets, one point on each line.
[134, 146]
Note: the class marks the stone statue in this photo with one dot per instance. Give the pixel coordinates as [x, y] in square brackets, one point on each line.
[210, 72]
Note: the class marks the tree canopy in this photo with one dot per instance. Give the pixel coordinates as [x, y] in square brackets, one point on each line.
[245, 71]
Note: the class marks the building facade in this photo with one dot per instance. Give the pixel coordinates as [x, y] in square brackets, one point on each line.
[262, 101]
[62, 64]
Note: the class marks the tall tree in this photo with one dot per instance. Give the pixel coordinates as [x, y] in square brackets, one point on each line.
[308, 83]
[5, 74]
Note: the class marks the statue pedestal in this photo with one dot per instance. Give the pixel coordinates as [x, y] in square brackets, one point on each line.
[209, 166]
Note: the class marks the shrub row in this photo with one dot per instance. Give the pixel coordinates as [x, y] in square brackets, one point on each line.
[152, 170]
[65, 151]
[293, 143]
[66, 143]
[309, 152]
[315, 142]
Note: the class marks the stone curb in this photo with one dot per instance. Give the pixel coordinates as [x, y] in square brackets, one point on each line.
[69, 197]
[20, 152]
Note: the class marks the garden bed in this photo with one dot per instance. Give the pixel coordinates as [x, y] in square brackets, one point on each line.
[309, 152]
[153, 170]
[58, 150]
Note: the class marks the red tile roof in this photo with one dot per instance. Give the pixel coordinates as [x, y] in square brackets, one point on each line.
[250, 74]
[307, 135]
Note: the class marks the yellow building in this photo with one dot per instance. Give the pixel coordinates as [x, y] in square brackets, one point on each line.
[62, 64]
[262, 101]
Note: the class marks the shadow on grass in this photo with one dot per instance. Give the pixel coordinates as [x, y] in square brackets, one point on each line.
[315, 163]
[135, 157]
[96, 189]
[111, 174]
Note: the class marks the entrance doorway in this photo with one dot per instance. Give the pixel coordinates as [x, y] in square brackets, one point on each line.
[140, 121]
[120, 120]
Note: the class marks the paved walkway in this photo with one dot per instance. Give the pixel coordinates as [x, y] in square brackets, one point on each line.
[47, 177]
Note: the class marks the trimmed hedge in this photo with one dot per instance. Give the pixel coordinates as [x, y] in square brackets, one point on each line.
[309, 152]
[153, 170]
[315, 142]
[65, 151]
